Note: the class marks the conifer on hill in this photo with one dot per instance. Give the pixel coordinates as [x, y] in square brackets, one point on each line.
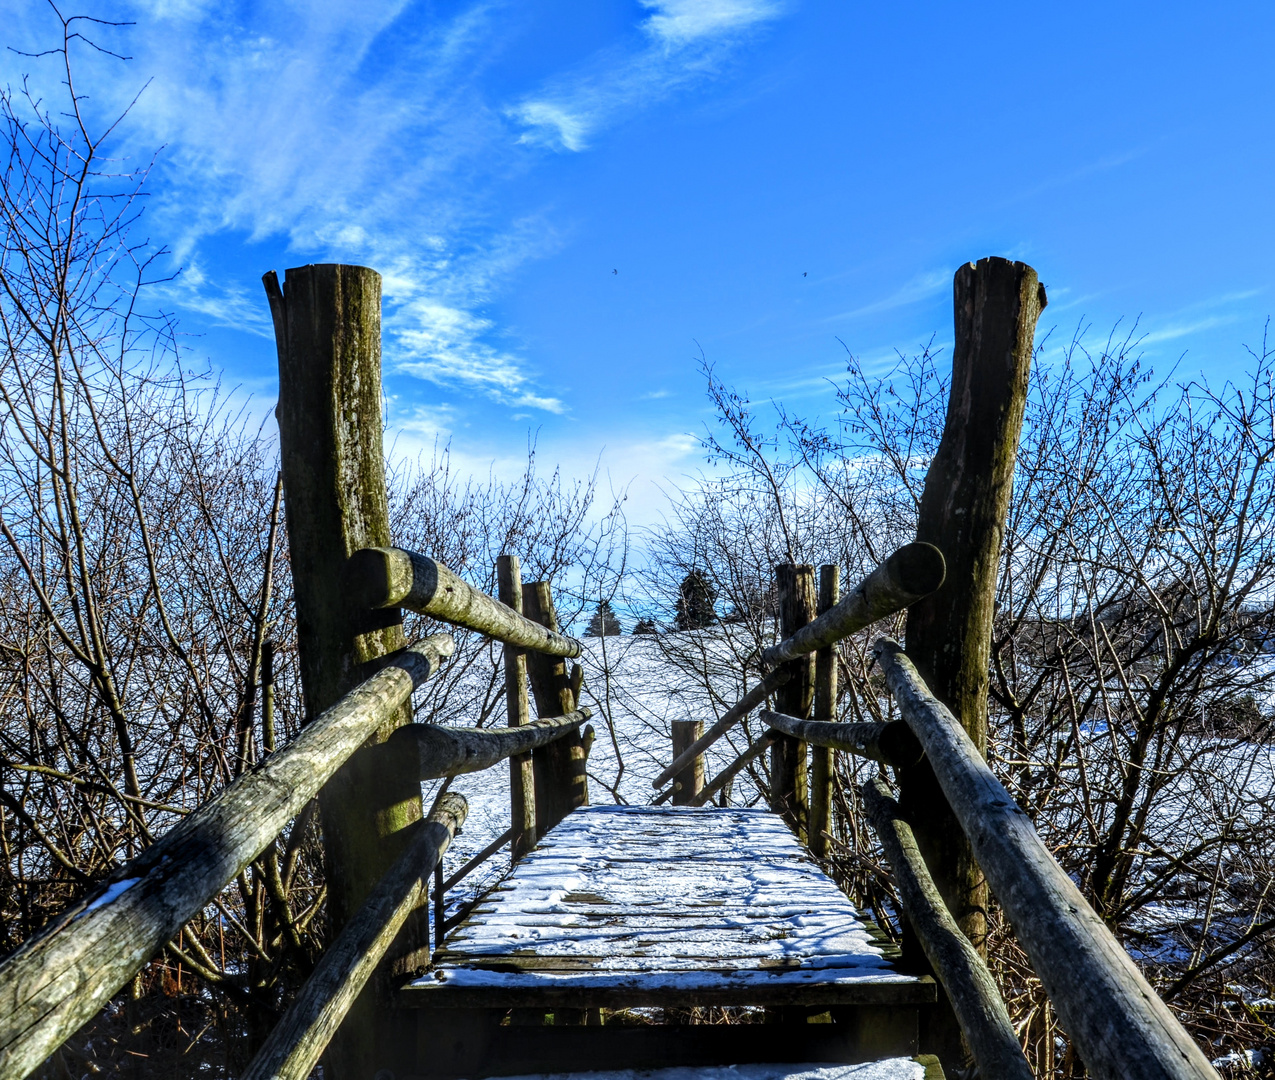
[604, 623]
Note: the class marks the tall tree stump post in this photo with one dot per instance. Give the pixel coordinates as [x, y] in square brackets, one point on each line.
[327, 322]
[795, 584]
[561, 782]
[963, 512]
[825, 708]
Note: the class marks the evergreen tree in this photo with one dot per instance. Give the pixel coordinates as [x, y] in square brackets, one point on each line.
[646, 626]
[604, 622]
[695, 602]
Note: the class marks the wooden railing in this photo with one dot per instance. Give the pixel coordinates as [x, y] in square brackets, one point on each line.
[1121, 1029]
[61, 977]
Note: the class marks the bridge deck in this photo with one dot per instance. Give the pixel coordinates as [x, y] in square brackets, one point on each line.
[631, 906]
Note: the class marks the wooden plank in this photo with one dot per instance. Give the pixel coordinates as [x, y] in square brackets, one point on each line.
[1120, 1027]
[381, 578]
[633, 993]
[734, 769]
[912, 572]
[970, 987]
[859, 1034]
[60, 978]
[660, 905]
[293, 1047]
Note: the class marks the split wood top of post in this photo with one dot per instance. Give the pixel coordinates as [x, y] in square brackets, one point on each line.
[665, 907]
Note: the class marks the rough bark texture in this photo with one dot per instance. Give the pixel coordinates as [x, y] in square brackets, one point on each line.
[1120, 1027]
[328, 332]
[393, 577]
[447, 751]
[796, 587]
[963, 510]
[297, 1041]
[914, 571]
[730, 718]
[969, 985]
[825, 711]
[689, 782]
[522, 783]
[60, 978]
[561, 782]
[890, 742]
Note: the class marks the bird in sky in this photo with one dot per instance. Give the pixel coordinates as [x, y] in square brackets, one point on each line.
[615, 271]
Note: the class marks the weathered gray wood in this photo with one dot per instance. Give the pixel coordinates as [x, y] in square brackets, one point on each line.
[392, 577]
[730, 718]
[795, 586]
[1121, 1029]
[562, 782]
[58, 979]
[477, 860]
[328, 333]
[914, 571]
[690, 781]
[824, 711]
[734, 769]
[969, 985]
[294, 1046]
[890, 742]
[451, 751]
[522, 782]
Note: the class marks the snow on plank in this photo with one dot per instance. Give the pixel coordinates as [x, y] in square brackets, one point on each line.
[662, 905]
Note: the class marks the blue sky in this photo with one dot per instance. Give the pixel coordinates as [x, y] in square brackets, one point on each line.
[569, 199]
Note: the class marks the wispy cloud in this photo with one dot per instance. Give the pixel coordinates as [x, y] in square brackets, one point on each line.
[919, 288]
[376, 133]
[684, 40]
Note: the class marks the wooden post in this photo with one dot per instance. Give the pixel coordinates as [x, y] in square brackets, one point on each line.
[826, 710]
[963, 510]
[560, 780]
[796, 587]
[690, 781]
[327, 322]
[522, 787]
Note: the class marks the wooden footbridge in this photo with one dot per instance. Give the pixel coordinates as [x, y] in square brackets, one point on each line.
[623, 938]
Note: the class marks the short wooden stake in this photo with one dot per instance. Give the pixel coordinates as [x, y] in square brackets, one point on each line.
[825, 709]
[522, 786]
[796, 587]
[690, 781]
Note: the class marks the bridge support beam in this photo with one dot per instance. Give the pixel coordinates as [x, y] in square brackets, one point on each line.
[795, 584]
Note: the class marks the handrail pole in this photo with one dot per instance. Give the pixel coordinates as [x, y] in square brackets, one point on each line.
[969, 985]
[1121, 1029]
[381, 578]
[890, 742]
[729, 719]
[440, 907]
[732, 770]
[57, 980]
[912, 572]
[293, 1048]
